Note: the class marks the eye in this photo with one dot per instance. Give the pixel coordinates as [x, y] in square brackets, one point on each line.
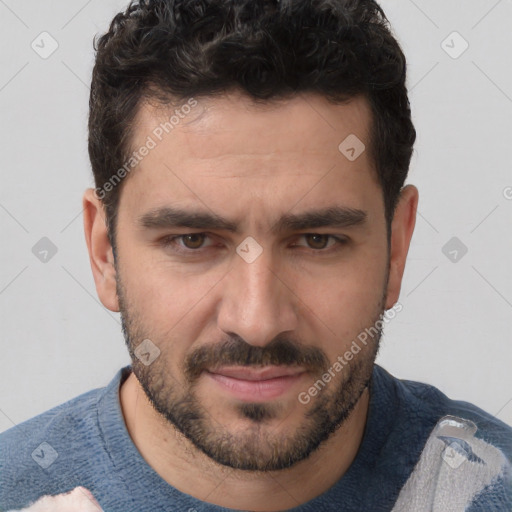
[193, 240]
[190, 242]
[319, 241]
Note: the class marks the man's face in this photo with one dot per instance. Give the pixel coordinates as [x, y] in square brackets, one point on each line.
[248, 314]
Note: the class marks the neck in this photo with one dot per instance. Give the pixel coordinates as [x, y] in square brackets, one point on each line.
[186, 468]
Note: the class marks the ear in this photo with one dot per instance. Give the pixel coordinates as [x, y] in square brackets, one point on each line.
[100, 250]
[402, 228]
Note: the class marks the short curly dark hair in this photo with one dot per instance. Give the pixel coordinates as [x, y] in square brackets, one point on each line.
[268, 49]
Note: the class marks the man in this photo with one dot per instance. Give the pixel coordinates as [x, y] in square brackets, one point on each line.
[251, 224]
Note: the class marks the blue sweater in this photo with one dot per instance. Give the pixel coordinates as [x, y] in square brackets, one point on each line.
[84, 442]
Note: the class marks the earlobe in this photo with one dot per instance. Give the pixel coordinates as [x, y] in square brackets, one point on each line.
[402, 229]
[100, 250]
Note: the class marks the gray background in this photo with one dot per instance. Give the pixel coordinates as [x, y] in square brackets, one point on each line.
[58, 341]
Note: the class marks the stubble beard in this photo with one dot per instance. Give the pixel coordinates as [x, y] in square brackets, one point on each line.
[267, 443]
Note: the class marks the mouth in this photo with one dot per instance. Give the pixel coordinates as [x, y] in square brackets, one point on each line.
[256, 384]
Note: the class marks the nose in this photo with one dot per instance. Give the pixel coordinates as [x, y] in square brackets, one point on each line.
[258, 302]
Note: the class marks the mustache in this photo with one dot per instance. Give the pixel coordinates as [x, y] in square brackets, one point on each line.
[237, 352]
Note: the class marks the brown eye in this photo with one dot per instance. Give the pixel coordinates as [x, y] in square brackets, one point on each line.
[193, 240]
[317, 241]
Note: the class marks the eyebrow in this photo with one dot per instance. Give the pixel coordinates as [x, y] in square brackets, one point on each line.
[333, 217]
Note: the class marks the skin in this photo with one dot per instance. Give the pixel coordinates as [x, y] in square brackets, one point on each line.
[251, 164]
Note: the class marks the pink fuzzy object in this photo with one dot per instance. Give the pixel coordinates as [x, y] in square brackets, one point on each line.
[79, 499]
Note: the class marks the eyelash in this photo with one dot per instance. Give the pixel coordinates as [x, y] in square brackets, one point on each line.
[169, 241]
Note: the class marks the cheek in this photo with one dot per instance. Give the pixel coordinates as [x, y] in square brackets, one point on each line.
[161, 288]
[347, 300]
[172, 307]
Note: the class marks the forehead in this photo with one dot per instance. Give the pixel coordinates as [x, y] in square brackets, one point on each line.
[235, 123]
[269, 155]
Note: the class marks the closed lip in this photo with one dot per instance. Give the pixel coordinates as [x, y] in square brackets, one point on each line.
[257, 374]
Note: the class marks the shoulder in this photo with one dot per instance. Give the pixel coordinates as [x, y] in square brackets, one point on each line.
[29, 450]
[465, 453]
[425, 403]
[436, 403]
